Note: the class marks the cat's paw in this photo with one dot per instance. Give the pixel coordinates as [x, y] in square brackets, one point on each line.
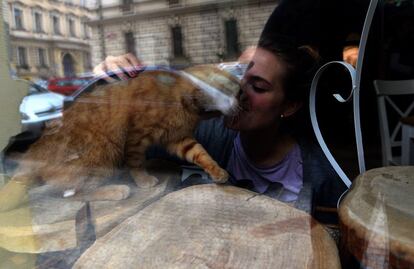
[219, 175]
[146, 181]
[143, 179]
[12, 195]
[120, 192]
[109, 193]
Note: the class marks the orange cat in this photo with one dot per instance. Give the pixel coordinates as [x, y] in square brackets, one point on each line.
[114, 125]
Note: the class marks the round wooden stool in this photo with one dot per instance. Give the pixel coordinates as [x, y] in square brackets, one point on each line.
[377, 218]
[213, 226]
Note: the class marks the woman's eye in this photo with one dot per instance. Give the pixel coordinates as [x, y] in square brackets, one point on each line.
[258, 89]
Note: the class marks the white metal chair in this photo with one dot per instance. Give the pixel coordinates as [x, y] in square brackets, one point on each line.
[406, 144]
[391, 131]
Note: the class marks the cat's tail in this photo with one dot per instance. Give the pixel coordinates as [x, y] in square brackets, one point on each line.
[14, 193]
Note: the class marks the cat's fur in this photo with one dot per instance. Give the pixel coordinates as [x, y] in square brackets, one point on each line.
[113, 126]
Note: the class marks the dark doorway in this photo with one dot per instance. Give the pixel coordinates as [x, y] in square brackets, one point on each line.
[68, 65]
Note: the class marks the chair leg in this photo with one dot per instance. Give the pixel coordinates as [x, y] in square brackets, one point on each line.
[407, 134]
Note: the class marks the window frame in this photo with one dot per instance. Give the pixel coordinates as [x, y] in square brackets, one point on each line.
[37, 28]
[22, 60]
[55, 25]
[18, 24]
[42, 63]
[126, 5]
[173, 3]
[130, 43]
[71, 23]
[177, 47]
[232, 46]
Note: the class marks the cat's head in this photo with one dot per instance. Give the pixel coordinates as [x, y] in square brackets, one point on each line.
[217, 88]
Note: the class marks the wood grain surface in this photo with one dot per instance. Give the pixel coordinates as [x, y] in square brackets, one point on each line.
[377, 218]
[51, 223]
[214, 226]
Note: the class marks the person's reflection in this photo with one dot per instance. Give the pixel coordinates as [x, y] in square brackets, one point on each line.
[351, 49]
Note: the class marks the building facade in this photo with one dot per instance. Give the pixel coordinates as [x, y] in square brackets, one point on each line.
[177, 32]
[48, 37]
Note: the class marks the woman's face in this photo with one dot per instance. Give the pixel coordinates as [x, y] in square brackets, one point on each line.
[262, 97]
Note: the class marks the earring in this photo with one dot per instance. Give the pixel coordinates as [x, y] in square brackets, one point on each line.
[282, 116]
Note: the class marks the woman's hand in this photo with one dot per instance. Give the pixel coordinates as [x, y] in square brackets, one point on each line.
[124, 66]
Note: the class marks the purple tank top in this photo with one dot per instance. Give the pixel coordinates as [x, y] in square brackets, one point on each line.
[288, 172]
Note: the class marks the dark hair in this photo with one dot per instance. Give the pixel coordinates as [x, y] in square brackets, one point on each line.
[301, 62]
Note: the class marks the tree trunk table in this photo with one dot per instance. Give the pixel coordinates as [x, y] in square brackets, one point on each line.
[377, 218]
[214, 226]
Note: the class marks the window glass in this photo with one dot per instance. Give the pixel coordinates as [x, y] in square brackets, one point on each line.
[177, 40]
[78, 124]
[38, 22]
[56, 24]
[18, 18]
[42, 57]
[22, 57]
[71, 27]
[232, 43]
[130, 42]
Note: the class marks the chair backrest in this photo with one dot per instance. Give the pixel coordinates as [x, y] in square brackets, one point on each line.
[391, 130]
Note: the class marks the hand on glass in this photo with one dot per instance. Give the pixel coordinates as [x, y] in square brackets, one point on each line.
[123, 66]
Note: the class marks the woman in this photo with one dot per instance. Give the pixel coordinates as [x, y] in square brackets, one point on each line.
[270, 147]
[265, 147]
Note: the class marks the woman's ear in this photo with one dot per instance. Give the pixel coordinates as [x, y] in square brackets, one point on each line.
[291, 108]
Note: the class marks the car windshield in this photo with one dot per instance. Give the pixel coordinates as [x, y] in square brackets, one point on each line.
[36, 89]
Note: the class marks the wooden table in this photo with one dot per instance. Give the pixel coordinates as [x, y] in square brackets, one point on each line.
[377, 218]
[407, 136]
[52, 231]
[205, 225]
[214, 226]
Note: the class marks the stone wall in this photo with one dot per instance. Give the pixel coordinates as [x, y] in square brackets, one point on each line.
[203, 34]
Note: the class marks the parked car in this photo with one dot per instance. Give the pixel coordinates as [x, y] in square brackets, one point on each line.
[39, 106]
[67, 85]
